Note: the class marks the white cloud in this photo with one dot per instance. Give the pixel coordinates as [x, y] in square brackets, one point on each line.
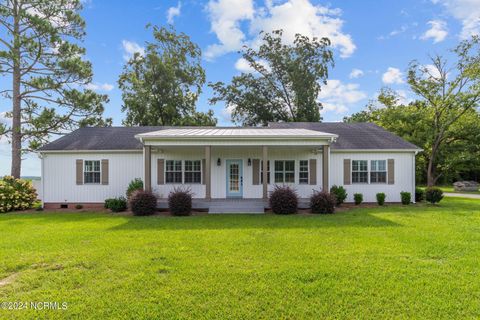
[242, 65]
[130, 48]
[99, 86]
[432, 72]
[438, 31]
[393, 75]
[403, 97]
[292, 16]
[173, 12]
[225, 17]
[337, 97]
[356, 73]
[466, 11]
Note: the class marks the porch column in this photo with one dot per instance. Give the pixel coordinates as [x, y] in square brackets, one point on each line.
[265, 171]
[325, 167]
[208, 165]
[147, 168]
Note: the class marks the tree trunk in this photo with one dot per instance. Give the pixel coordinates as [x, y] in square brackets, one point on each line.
[430, 177]
[16, 100]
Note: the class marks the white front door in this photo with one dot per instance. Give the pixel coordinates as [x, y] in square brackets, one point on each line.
[234, 178]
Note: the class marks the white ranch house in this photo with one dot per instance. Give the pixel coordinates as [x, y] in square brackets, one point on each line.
[90, 165]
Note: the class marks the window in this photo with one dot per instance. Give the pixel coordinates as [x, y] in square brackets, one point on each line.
[378, 171]
[268, 172]
[91, 174]
[193, 172]
[284, 171]
[173, 171]
[359, 171]
[303, 172]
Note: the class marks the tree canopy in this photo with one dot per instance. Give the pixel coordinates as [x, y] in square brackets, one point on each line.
[283, 84]
[161, 87]
[41, 55]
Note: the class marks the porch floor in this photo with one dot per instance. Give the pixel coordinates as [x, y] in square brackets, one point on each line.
[228, 206]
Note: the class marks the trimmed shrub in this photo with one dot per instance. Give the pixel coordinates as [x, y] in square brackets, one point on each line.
[116, 204]
[78, 206]
[143, 203]
[134, 185]
[381, 198]
[406, 197]
[419, 194]
[322, 202]
[16, 194]
[358, 198]
[340, 194]
[284, 200]
[433, 195]
[180, 202]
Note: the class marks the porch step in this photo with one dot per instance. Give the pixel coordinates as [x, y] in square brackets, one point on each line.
[236, 206]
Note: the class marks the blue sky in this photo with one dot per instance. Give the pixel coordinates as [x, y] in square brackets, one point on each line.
[374, 41]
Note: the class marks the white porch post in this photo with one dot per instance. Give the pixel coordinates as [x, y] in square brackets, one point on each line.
[325, 168]
[147, 168]
[265, 171]
[208, 179]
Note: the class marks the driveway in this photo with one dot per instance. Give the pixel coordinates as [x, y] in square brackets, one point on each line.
[462, 195]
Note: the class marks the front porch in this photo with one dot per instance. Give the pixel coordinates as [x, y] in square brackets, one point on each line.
[224, 167]
[220, 206]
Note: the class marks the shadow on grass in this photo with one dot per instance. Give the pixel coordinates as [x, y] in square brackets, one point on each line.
[220, 222]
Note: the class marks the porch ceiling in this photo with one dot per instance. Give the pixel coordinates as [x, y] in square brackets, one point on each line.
[236, 136]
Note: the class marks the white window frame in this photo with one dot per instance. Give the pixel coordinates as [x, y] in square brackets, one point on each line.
[378, 171]
[269, 168]
[368, 172]
[192, 171]
[283, 172]
[174, 171]
[92, 171]
[300, 171]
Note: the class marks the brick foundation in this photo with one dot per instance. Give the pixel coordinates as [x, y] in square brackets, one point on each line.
[86, 205]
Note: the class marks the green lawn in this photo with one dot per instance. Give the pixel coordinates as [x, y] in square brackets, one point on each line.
[392, 262]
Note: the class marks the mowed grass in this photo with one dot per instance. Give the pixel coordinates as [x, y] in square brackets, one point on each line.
[392, 262]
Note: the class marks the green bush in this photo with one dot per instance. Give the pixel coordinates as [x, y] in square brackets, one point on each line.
[340, 194]
[381, 198]
[419, 194]
[16, 194]
[134, 185]
[358, 198]
[406, 197]
[180, 202]
[116, 204]
[433, 195]
[78, 206]
[284, 200]
[143, 203]
[322, 202]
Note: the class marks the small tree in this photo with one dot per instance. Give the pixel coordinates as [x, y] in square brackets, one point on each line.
[449, 92]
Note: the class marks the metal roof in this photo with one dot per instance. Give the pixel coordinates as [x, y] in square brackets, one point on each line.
[232, 133]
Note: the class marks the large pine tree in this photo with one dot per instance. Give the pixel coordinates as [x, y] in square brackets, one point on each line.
[41, 57]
